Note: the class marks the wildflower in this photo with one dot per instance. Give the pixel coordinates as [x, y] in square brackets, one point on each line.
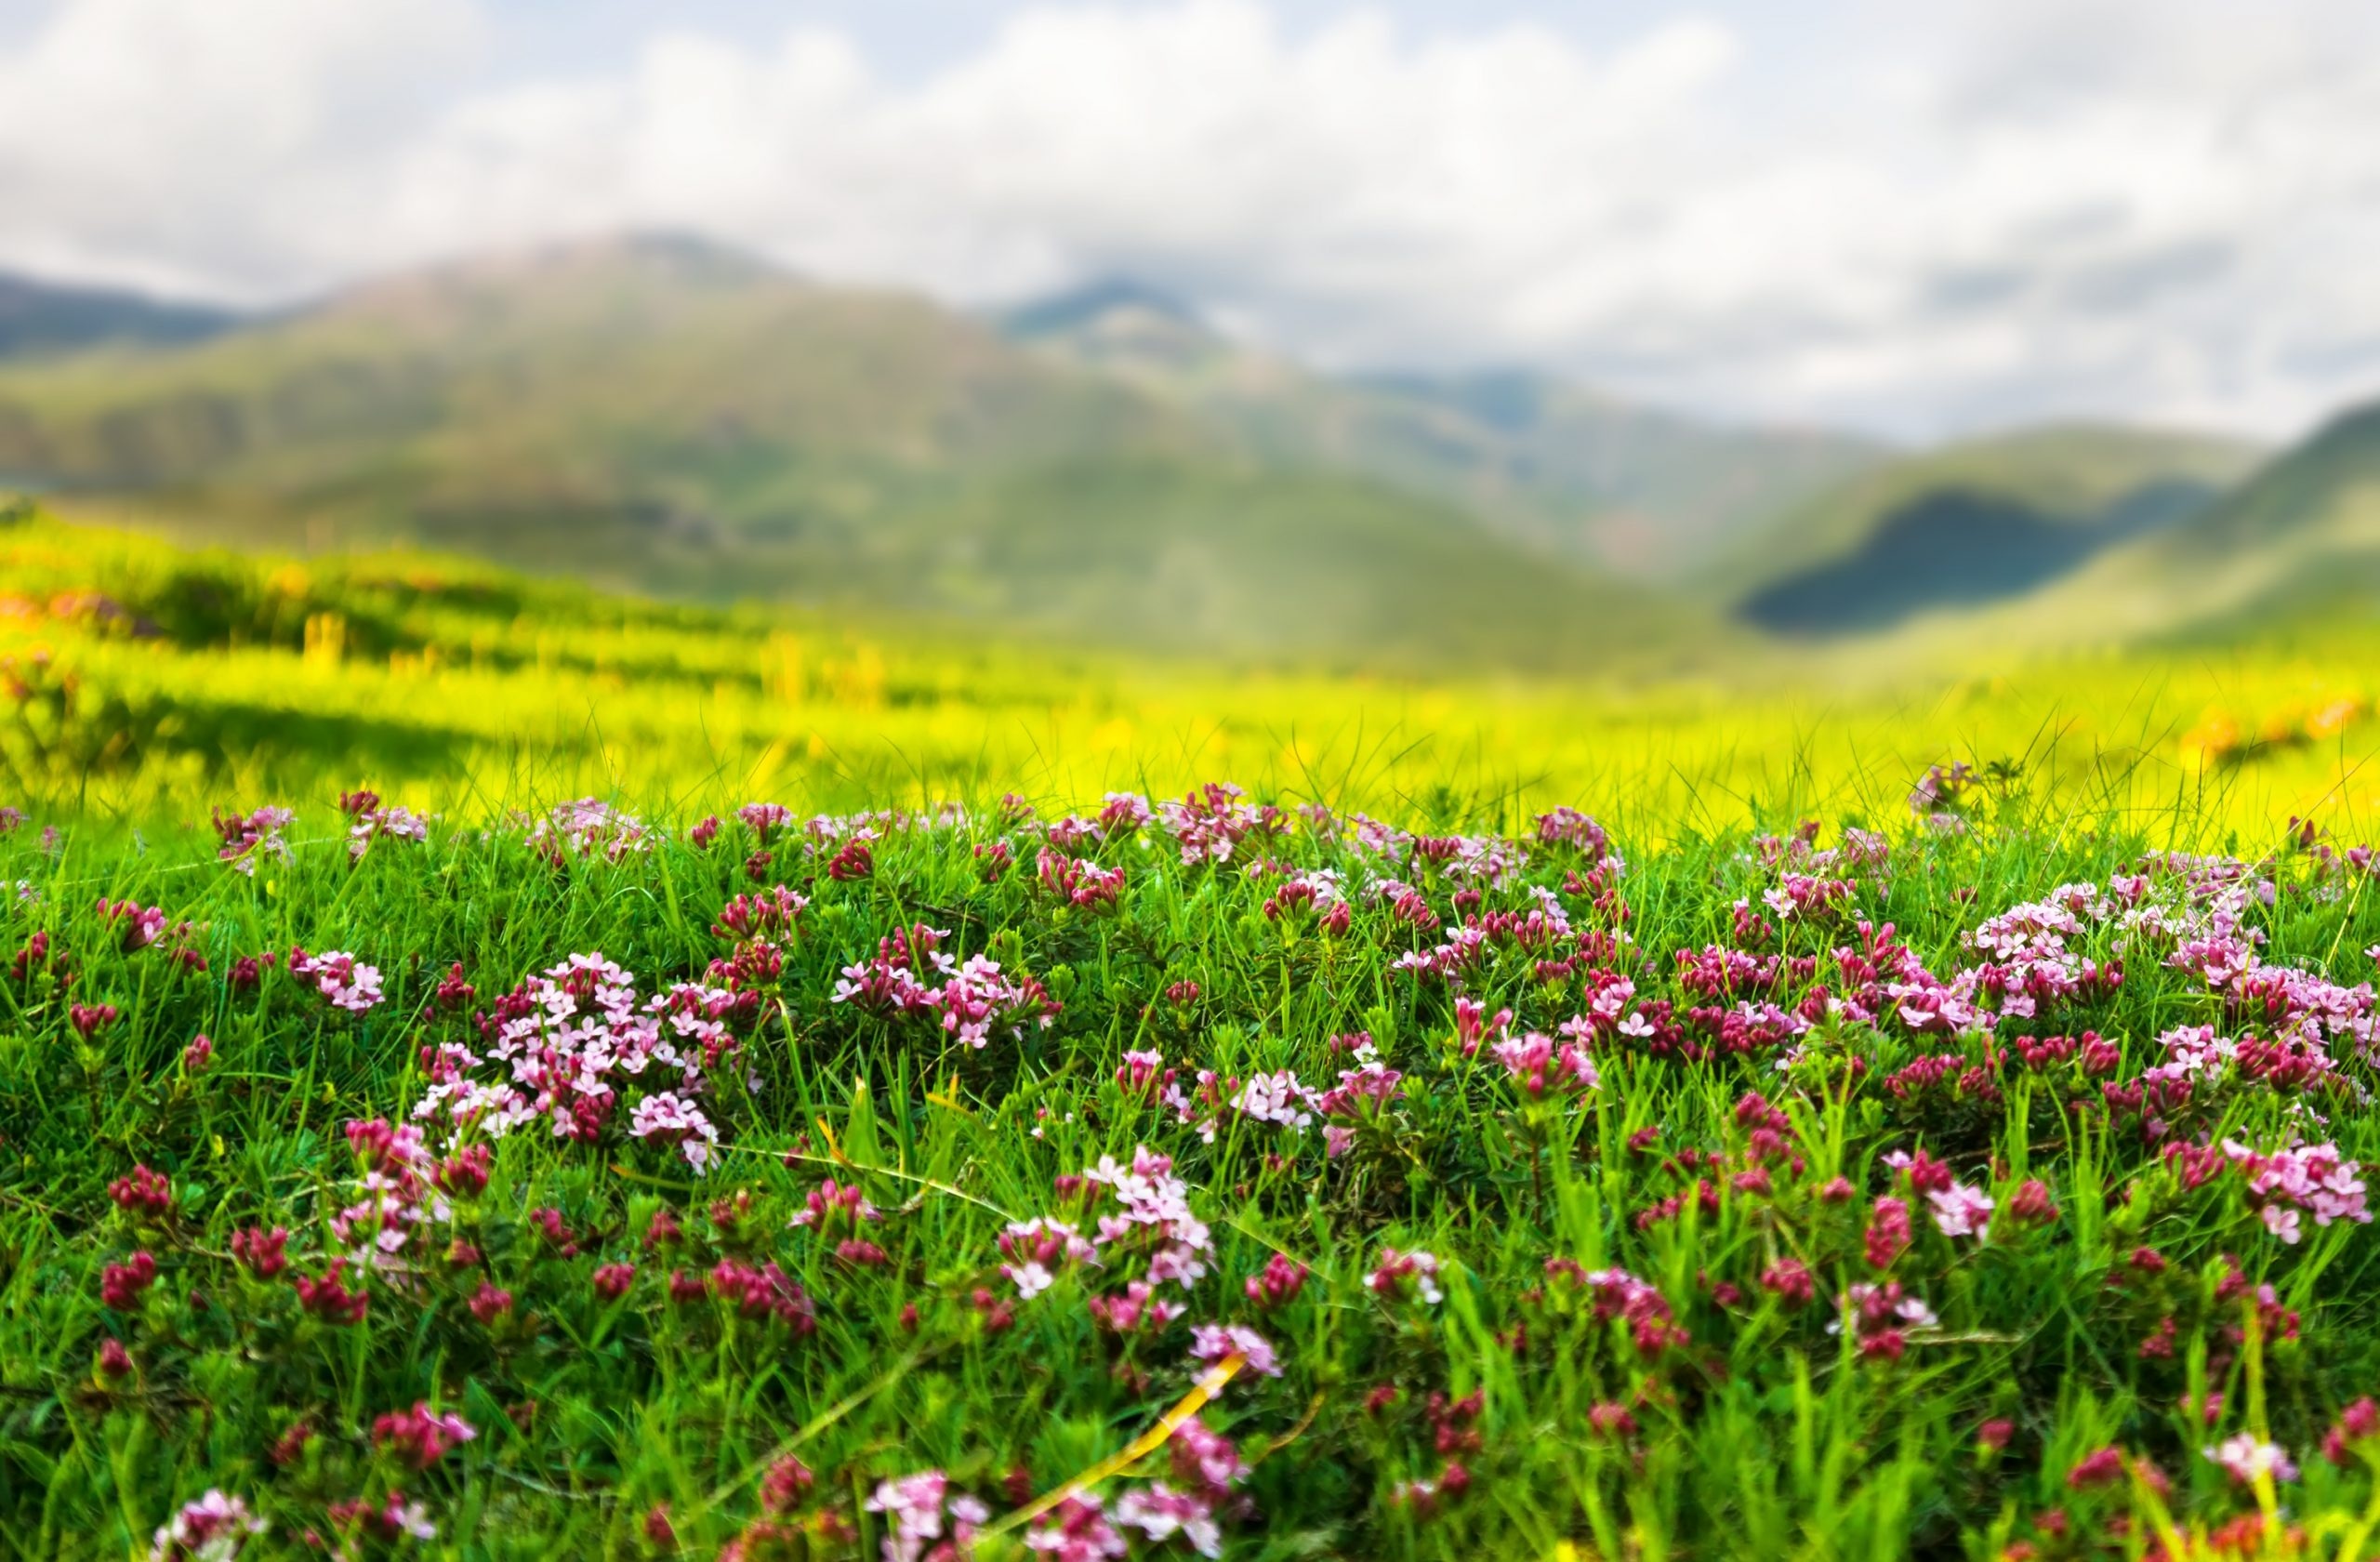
[1995, 1435]
[1139, 1305]
[2314, 1179]
[143, 1193]
[246, 837]
[2101, 1468]
[2030, 1205]
[1077, 1530]
[143, 925]
[465, 1172]
[1282, 1279]
[672, 1119]
[612, 1280]
[586, 828]
[1611, 1420]
[1401, 1274]
[1213, 1342]
[765, 1291]
[1537, 1066]
[327, 1297]
[123, 1285]
[1032, 1247]
[2357, 1424]
[915, 1508]
[787, 1481]
[1159, 1513]
[488, 1304]
[2247, 1459]
[1888, 1231]
[1205, 1458]
[1960, 1211]
[343, 981]
[115, 1361]
[89, 1019]
[1789, 1280]
[420, 1437]
[198, 1054]
[211, 1529]
[260, 1252]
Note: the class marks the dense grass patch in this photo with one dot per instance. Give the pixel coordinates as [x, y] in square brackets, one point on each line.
[1494, 1188]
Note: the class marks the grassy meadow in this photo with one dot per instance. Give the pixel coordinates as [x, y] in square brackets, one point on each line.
[152, 683]
[489, 1069]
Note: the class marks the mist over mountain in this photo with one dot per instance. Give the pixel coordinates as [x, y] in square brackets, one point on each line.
[663, 415]
[658, 413]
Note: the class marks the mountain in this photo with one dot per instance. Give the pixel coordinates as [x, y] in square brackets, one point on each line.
[1972, 524]
[664, 416]
[42, 317]
[2299, 538]
[1548, 463]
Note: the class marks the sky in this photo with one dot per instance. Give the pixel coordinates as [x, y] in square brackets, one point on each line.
[1921, 220]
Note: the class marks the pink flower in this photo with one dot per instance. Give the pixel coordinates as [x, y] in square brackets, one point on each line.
[1283, 1277]
[1214, 1342]
[915, 1508]
[673, 1119]
[1536, 1065]
[1960, 1211]
[209, 1529]
[2246, 1459]
[1160, 1513]
[1407, 1273]
[1077, 1530]
[341, 980]
[420, 1437]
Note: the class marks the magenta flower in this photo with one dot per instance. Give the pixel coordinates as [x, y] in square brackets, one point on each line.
[211, 1529]
[420, 1437]
[1402, 1274]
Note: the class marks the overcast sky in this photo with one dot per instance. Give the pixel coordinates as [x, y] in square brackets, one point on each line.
[1919, 219]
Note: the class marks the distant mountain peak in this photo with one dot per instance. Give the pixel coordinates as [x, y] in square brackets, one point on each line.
[1086, 305]
[634, 257]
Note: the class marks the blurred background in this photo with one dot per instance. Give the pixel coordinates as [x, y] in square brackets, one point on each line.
[1737, 396]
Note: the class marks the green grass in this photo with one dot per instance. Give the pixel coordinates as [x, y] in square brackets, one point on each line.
[150, 685]
[1756, 1433]
[464, 688]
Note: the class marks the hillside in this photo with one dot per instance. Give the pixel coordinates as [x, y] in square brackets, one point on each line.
[661, 416]
[1972, 524]
[2297, 541]
[45, 317]
[1627, 488]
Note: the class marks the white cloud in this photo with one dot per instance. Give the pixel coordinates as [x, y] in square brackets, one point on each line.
[2026, 207]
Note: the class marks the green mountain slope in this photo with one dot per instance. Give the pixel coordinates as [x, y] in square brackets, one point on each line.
[2295, 542]
[45, 317]
[1636, 491]
[662, 416]
[1972, 524]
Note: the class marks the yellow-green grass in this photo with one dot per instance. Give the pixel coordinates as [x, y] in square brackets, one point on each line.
[459, 687]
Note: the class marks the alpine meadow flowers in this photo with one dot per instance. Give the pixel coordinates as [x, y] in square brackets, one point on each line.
[1208, 1175]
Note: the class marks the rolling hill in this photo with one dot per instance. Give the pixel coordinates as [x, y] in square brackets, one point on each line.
[46, 317]
[1629, 489]
[2297, 542]
[1972, 524]
[659, 415]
